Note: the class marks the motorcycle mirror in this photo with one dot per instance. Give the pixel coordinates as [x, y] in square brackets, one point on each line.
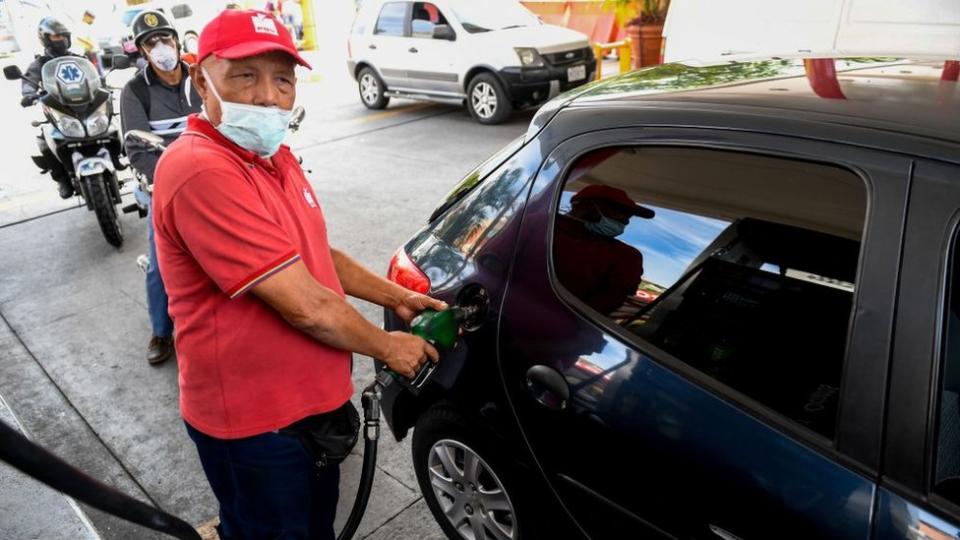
[297, 118]
[119, 61]
[12, 73]
[145, 138]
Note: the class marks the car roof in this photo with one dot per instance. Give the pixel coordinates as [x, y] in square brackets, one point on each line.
[905, 96]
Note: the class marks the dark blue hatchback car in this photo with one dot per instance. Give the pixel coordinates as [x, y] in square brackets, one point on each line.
[715, 302]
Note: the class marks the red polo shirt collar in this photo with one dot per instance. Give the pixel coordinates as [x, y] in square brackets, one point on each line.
[200, 124]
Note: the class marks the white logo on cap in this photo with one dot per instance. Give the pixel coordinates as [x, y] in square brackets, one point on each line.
[264, 25]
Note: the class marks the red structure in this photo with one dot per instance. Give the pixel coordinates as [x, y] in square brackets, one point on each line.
[822, 74]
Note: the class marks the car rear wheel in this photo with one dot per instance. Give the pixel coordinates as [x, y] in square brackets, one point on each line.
[468, 488]
[372, 89]
[487, 100]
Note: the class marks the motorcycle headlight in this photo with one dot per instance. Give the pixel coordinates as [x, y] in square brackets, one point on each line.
[68, 125]
[98, 122]
[529, 57]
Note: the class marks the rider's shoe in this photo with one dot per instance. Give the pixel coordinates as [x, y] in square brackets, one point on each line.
[159, 350]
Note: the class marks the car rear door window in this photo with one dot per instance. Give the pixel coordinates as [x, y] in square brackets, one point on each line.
[390, 22]
[947, 472]
[741, 266]
[426, 17]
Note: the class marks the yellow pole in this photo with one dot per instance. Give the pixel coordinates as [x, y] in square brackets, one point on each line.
[624, 53]
[309, 28]
[598, 54]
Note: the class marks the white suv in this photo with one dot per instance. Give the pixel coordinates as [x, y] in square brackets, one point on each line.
[494, 55]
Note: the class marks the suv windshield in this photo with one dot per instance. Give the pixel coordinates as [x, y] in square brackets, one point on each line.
[493, 15]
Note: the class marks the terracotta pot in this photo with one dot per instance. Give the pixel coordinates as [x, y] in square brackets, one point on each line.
[633, 32]
[651, 42]
[646, 39]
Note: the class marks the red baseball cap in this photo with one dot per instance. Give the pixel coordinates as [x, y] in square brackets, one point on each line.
[241, 33]
[613, 196]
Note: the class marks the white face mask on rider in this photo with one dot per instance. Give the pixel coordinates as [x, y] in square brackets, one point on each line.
[164, 57]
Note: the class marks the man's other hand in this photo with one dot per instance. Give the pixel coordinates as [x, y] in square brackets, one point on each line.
[413, 303]
[407, 352]
[28, 101]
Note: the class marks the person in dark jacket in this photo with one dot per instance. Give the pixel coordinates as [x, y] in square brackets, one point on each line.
[55, 39]
[157, 100]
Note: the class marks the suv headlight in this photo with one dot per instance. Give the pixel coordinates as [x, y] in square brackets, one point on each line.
[68, 125]
[529, 57]
[98, 122]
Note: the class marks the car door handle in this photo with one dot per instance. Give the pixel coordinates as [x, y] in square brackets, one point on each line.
[374, 47]
[413, 49]
[548, 387]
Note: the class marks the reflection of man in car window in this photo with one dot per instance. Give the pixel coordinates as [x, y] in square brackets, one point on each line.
[590, 262]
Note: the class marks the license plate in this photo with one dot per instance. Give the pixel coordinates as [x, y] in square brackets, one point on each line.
[576, 73]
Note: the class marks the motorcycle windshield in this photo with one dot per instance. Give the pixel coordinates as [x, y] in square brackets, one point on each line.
[71, 80]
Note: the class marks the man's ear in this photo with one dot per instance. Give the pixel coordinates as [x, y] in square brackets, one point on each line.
[199, 81]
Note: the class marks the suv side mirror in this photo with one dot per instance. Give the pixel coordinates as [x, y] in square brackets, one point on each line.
[12, 73]
[445, 32]
[119, 61]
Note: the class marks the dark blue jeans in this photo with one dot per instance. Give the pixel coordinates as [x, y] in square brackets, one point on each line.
[268, 488]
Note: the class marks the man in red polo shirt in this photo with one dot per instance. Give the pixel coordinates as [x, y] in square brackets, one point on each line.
[264, 334]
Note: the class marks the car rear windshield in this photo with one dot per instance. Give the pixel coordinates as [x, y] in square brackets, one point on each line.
[477, 175]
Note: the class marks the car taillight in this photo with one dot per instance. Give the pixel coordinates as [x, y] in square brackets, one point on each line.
[405, 273]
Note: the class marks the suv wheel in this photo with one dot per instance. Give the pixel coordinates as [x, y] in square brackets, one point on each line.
[468, 488]
[372, 89]
[487, 100]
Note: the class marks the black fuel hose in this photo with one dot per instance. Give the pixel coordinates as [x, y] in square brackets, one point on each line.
[39, 463]
[370, 401]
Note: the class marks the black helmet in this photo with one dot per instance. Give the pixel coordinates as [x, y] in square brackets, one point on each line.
[49, 26]
[148, 22]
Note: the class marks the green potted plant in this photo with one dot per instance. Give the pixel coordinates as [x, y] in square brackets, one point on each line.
[643, 20]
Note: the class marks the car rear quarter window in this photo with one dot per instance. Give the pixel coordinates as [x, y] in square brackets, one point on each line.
[390, 22]
[739, 265]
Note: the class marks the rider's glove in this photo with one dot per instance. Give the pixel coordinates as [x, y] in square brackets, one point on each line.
[28, 101]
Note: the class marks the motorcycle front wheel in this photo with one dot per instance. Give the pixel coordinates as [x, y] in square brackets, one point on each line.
[106, 211]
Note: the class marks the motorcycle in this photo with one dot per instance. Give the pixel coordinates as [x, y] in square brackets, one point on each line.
[78, 133]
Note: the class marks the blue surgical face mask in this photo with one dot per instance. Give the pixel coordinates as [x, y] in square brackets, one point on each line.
[260, 130]
[608, 227]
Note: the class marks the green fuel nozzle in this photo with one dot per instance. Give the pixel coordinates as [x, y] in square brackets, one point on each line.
[439, 328]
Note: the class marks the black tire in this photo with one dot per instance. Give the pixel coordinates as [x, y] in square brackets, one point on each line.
[372, 90]
[487, 101]
[105, 210]
[442, 430]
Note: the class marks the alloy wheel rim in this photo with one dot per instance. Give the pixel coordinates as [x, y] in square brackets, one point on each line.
[484, 99]
[470, 493]
[369, 89]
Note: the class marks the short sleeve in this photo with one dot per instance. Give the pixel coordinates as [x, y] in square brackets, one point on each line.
[223, 223]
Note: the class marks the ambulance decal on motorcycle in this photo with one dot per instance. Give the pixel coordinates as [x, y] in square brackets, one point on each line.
[69, 73]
